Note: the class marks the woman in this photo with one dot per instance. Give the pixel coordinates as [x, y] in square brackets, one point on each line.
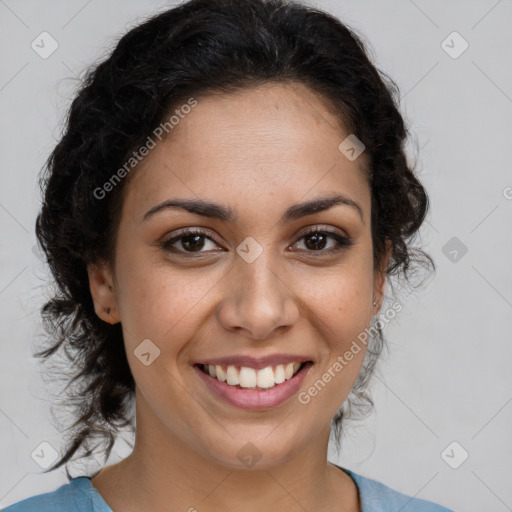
[221, 216]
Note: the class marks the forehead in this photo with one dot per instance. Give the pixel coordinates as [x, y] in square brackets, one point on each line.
[261, 144]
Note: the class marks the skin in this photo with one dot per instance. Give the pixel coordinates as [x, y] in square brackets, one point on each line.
[257, 151]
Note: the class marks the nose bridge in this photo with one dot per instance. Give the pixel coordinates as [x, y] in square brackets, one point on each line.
[261, 281]
[257, 299]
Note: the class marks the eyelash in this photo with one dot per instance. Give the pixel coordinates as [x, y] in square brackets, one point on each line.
[342, 242]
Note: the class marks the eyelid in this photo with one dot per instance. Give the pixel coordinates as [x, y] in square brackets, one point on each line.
[324, 229]
[343, 240]
[196, 230]
[181, 233]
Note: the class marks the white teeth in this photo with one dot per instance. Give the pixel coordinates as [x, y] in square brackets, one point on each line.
[232, 376]
[288, 371]
[266, 378]
[221, 374]
[246, 377]
[279, 374]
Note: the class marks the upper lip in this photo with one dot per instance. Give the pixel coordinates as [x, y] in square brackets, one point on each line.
[256, 362]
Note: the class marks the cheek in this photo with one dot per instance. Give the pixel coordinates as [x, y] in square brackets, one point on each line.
[340, 297]
[160, 303]
[339, 302]
[166, 308]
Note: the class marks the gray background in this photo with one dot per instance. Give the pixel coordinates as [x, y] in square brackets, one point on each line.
[447, 377]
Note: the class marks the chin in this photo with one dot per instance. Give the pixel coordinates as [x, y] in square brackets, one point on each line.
[254, 452]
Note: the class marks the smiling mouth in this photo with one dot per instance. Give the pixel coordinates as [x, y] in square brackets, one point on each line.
[243, 377]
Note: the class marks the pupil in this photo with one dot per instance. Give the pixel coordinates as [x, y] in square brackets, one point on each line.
[316, 237]
[195, 245]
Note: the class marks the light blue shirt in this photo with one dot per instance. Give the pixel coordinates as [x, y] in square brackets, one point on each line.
[80, 496]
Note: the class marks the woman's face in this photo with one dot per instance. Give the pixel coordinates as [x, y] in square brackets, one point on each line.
[250, 286]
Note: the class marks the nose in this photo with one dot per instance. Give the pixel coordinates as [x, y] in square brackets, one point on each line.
[257, 301]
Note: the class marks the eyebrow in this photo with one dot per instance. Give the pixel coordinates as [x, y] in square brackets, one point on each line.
[227, 214]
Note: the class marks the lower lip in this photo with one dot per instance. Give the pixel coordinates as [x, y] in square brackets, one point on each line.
[254, 399]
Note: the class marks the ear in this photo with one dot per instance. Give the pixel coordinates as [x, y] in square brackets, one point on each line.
[379, 280]
[103, 294]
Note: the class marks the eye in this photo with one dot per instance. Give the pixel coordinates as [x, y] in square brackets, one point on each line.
[189, 241]
[316, 240]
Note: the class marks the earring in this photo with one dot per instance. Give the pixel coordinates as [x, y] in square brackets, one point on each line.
[374, 304]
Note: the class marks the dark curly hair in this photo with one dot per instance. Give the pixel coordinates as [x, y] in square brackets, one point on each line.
[198, 48]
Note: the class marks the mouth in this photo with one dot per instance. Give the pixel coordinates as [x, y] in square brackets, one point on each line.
[253, 388]
[245, 377]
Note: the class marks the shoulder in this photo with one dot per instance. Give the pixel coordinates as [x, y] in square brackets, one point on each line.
[76, 496]
[378, 497]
